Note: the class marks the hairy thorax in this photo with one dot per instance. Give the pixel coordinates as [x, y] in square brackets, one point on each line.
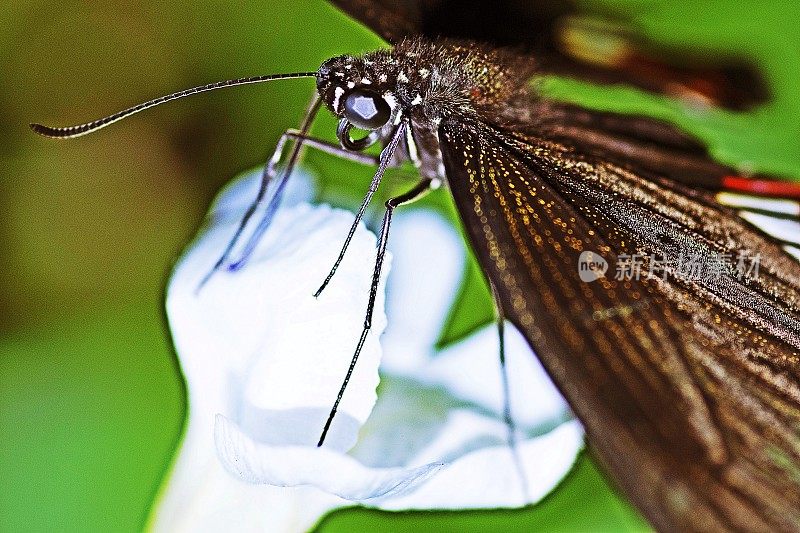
[425, 82]
[428, 80]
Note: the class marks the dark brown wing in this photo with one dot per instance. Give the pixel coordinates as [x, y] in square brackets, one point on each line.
[571, 42]
[498, 22]
[391, 20]
[649, 145]
[688, 388]
[652, 148]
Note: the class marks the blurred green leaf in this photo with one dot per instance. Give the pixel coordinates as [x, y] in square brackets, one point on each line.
[582, 503]
[91, 410]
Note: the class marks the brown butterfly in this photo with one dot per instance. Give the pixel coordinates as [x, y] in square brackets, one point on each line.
[687, 381]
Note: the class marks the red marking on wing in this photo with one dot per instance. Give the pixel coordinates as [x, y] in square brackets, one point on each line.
[783, 189]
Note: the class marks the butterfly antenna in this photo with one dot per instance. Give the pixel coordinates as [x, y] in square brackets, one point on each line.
[71, 132]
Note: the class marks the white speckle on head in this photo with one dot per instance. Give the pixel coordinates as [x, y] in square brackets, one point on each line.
[348, 66]
[366, 81]
[417, 100]
[424, 72]
[413, 153]
[337, 94]
[402, 78]
[391, 100]
[351, 84]
[440, 170]
[382, 78]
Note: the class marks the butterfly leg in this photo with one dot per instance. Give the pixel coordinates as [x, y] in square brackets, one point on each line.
[301, 139]
[272, 207]
[267, 175]
[418, 191]
[385, 158]
[508, 419]
[328, 148]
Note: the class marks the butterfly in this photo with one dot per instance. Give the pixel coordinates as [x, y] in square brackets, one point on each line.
[686, 380]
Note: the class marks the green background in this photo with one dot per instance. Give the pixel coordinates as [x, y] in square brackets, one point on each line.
[91, 400]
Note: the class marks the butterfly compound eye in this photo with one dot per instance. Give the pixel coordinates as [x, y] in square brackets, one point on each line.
[365, 110]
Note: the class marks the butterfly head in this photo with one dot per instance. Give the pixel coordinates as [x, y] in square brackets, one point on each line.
[360, 91]
[425, 81]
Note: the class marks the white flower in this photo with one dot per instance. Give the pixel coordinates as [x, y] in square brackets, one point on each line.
[264, 360]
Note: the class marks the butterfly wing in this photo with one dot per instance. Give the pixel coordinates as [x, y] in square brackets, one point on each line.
[391, 20]
[653, 148]
[571, 42]
[688, 388]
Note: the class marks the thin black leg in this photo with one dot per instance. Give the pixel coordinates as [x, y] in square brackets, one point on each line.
[508, 419]
[331, 148]
[417, 192]
[272, 207]
[266, 177]
[385, 159]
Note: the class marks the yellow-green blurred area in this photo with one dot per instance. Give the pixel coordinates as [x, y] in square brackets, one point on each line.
[91, 400]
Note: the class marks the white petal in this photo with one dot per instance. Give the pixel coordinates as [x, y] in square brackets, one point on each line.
[220, 502]
[256, 347]
[258, 350]
[428, 266]
[471, 370]
[414, 425]
[289, 466]
[277, 353]
[489, 477]
[427, 271]
[236, 196]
